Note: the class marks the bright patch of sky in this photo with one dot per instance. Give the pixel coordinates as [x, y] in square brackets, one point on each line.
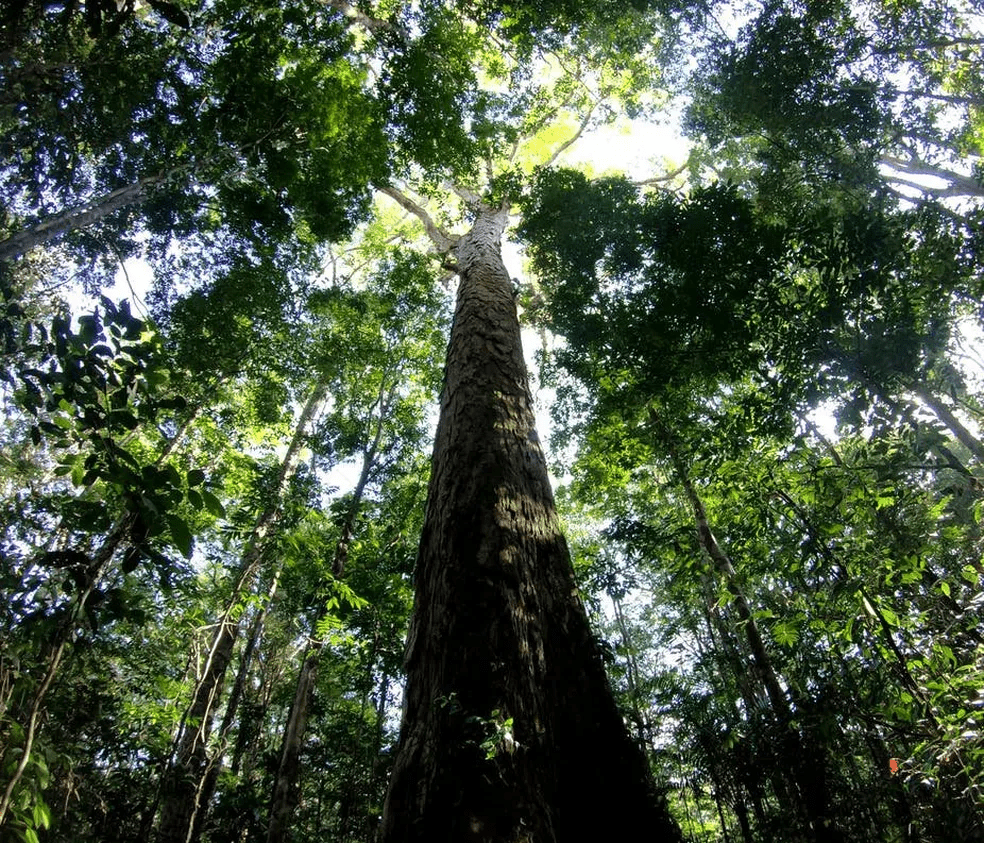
[638, 149]
[132, 282]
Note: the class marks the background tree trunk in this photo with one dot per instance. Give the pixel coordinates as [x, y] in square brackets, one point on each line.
[285, 786]
[73, 219]
[185, 781]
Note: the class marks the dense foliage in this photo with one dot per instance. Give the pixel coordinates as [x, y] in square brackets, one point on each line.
[767, 367]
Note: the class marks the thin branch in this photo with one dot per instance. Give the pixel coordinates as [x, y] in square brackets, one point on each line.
[137, 303]
[513, 150]
[567, 144]
[664, 178]
[929, 45]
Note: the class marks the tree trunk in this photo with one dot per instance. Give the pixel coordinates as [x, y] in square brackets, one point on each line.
[285, 786]
[510, 731]
[185, 780]
[955, 426]
[806, 783]
[376, 763]
[215, 765]
[637, 714]
[722, 563]
[72, 219]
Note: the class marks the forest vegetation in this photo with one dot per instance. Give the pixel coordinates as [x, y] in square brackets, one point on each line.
[280, 555]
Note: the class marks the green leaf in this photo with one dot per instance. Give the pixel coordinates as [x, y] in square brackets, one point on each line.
[195, 499]
[41, 814]
[181, 535]
[130, 560]
[126, 419]
[890, 617]
[213, 504]
[196, 477]
[785, 633]
[170, 12]
[849, 629]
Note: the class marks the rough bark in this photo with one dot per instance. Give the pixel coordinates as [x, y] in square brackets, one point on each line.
[510, 731]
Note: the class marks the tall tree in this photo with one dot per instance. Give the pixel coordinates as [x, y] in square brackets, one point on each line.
[510, 731]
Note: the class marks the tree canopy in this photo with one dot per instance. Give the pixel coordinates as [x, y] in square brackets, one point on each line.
[763, 368]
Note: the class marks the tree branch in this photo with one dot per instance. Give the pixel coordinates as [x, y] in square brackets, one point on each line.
[471, 199]
[443, 242]
[666, 177]
[929, 45]
[567, 144]
[922, 201]
[956, 188]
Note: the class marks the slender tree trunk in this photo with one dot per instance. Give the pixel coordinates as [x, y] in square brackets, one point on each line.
[73, 219]
[285, 789]
[215, 764]
[718, 799]
[722, 563]
[376, 761]
[632, 674]
[184, 781]
[510, 731]
[955, 426]
[741, 812]
[746, 777]
[808, 784]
